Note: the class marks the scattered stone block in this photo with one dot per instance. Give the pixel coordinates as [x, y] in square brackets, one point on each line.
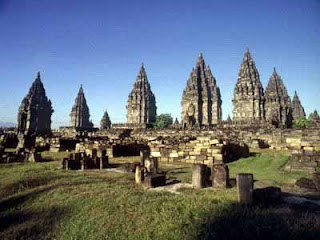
[153, 181]
[306, 185]
[220, 176]
[316, 180]
[245, 188]
[199, 176]
[139, 175]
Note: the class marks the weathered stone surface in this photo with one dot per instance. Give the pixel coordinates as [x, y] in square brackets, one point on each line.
[80, 117]
[248, 101]
[139, 175]
[306, 185]
[245, 188]
[201, 99]
[141, 105]
[316, 180]
[105, 121]
[153, 181]
[278, 103]
[34, 116]
[297, 108]
[220, 176]
[199, 175]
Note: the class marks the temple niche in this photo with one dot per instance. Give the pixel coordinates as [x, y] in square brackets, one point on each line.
[278, 103]
[297, 108]
[80, 117]
[201, 99]
[141, 105]
[248, 101]
[34, 115]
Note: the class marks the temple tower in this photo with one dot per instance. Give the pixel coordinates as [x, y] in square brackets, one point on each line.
[105, 121]
[80, 117]
[278, 103]
[141, 105]
[201, 99]
[34, 115]
[248, 101]
[297, 108]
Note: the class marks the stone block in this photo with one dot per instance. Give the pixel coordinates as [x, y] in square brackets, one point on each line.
[139, 174]
[245, 188]
[199, 176]
[220, 176]
[316, 180]
[153, 181]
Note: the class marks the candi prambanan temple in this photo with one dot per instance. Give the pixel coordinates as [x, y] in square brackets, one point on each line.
[141, 106]
[201, 104]
[201, 99]
[34, 115]
[80, 117]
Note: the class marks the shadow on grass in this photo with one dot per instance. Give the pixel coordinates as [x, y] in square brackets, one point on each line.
[30, 224]
[29, 183]
[282, 222]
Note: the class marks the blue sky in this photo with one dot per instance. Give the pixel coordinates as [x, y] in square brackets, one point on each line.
[101, 44]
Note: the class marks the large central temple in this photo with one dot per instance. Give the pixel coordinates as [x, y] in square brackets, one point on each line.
[141, 106]
[248, 101]
[201, 100]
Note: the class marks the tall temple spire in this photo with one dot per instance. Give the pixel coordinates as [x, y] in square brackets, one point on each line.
[297, 108]
[34, 115]
[141, 105]
[201, 100]
[80, 117]
[248, 101]
[278, 102]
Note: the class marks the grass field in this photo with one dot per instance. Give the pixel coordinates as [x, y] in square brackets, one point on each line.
[40, 201]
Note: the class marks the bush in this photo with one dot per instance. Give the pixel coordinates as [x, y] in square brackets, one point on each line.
[302, 123]
[163, 121]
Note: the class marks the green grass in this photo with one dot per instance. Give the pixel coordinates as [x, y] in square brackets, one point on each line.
[40, 201]
[267, 165]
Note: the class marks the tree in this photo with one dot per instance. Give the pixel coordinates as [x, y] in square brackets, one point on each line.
[163, 121]
[302, 123]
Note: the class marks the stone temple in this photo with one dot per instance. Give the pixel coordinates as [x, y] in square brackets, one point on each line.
[277, 102]
[248, 101]
[34, 115]
[201, 99]
[105, 121]
[297, 108]
[80, 117]
[141, 105]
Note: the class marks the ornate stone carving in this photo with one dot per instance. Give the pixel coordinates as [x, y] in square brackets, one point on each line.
[105, 121]
[278, 103]
[141, 105]
[248, 101]
[297, 108]
[34, 115]
[80, 117]
[201, 99]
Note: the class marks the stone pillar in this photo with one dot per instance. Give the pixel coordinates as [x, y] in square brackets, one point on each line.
[143, 155]
[155, 164]
[245, 188]
[64, 163]
[139, 176]
[220, 176]
[316, 180]
[199, 175]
